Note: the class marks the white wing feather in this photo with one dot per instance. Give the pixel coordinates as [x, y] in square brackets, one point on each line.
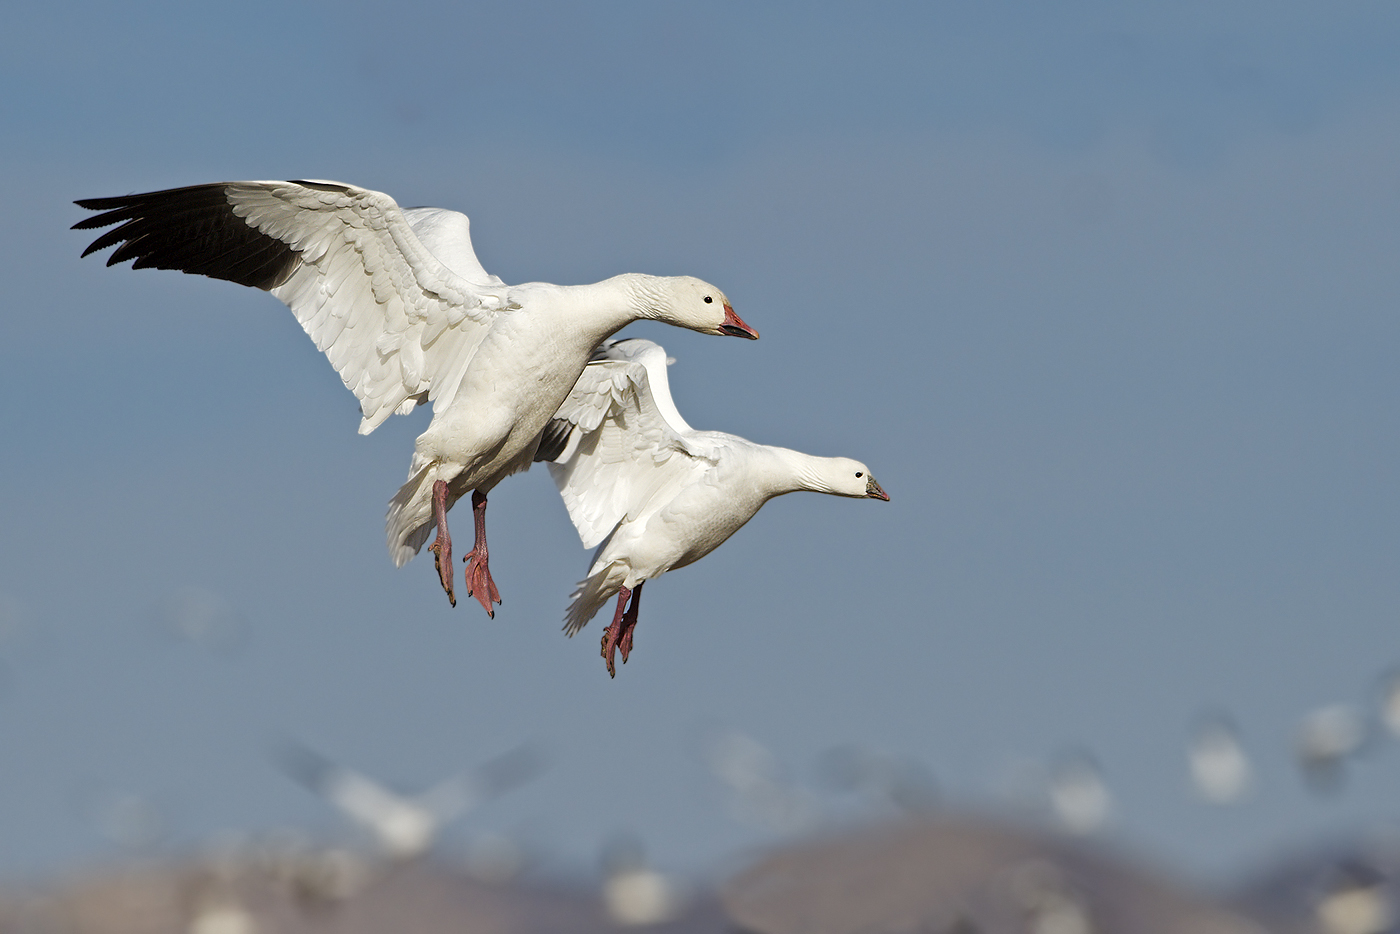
[363, 798]
[398, 322]
[628, 444]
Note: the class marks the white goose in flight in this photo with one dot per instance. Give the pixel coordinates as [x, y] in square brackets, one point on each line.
[400, 304]
[406, 826]
[656, 493]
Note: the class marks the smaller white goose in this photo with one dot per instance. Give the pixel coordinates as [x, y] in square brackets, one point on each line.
[656, 493]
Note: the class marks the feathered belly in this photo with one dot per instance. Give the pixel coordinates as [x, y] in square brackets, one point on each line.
[688, 530]
[491, 426]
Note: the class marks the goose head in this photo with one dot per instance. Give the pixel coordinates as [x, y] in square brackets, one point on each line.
[695, 304]
[846, 477]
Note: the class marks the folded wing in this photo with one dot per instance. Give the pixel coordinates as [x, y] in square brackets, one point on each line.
[399, 317]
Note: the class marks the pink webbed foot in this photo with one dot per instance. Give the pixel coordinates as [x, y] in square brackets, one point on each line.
[442, 545]
[618, 636]
[478, 569]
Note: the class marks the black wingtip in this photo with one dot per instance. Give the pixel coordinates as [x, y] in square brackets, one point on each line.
[193, 230]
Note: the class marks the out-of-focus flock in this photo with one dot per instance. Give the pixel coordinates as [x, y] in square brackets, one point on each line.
[866, 842]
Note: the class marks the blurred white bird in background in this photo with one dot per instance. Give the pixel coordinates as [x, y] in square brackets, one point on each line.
[1389, 702]
[1220, 769]
[634, 893]
[1327, 737]
[204, 618]
[406, 826]
[136, 822]
[1356, 900]
[1079, 798]
[760, 792]
[900, 781]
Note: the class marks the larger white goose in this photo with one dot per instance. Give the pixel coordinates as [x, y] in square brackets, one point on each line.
[404, 310]
[655, 494]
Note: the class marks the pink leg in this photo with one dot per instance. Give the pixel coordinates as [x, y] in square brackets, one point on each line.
[618, 636]
[478, 571]
[629, 623]
[442, 546]
[613, 634]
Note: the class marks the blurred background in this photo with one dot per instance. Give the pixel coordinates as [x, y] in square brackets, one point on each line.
[1104, 294]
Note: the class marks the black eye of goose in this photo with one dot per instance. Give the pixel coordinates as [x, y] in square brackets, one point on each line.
[708, 300]
[859, 474]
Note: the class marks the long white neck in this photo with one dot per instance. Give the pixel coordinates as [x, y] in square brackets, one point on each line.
[602, 308]
[599, 310]
[789, 471]
[650, 294]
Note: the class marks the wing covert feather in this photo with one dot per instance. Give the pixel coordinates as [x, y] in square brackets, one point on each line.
[397, 322]
[622, 453]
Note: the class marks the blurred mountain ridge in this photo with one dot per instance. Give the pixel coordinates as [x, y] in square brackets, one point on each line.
[938, 873]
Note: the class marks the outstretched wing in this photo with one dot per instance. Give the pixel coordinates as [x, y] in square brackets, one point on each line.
[360, 797]
[618, 443]
[462, 793]
[399, 315]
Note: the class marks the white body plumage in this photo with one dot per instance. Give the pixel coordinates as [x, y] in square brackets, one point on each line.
[653, 493]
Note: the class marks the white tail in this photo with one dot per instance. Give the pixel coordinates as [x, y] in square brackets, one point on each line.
[593, 592]
[410, 518]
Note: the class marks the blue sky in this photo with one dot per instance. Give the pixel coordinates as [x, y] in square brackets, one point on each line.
[1104, 296]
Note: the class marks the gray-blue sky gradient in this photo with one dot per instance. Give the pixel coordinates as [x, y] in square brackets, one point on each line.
[1105, 297]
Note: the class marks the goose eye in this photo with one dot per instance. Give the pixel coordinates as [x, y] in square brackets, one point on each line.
[859, 474]
[708, 300]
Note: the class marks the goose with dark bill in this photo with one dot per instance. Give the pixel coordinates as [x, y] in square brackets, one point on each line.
[653, 493]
